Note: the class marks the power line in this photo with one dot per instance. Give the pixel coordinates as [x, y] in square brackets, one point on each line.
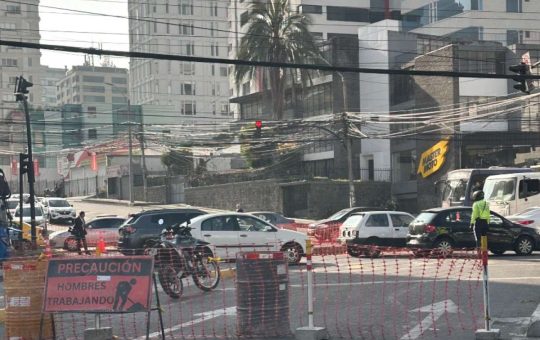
[158, 56]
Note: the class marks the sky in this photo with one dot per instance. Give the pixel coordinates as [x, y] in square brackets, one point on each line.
[58, 25]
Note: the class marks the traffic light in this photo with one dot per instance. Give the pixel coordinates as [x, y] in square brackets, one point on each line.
[525, 85]
[21, 88]
[26, 167]
[258, 127]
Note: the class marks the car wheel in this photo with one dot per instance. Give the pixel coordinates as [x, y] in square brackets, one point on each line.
[372, 249]
[293, 252]
[70, 244]
[497, 251]
[524, 246]
[354, 251]
[443, 247]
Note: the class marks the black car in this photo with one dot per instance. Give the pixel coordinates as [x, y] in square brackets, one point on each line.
[444, 229]
[146, 226]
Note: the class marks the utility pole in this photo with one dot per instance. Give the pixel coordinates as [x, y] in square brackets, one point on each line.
[21, 89]
[143, 160]
[130, 154]
[348, 144]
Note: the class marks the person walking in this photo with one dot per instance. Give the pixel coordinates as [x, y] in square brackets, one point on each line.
[480, 216]
[239, 208]
[79, 231]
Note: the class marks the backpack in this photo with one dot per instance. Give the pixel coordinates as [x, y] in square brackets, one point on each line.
[5, 193]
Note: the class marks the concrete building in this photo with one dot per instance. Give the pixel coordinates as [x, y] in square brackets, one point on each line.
[93, 85]
[20, 22]
[185, 27]
[49, 78]
[505, 21]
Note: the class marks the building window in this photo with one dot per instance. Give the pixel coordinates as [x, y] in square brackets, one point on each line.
[8, 26]
[13, 9]
[245, 88]
[92, 112]
[92, 134]
[224, 109]
[213, 69]
[94, 99]
[188, 89]
[310, 9]
[9, 62]
[514, 6]
[214, 50]
[347, 14]
[514, 37]
[188, 69]
[93, 79]
[185, 7]
[187, 29]
[167, 7]
[190, 48]
[223, 71]
[404, 166]
[189, 108]
[119, 100]
[213, 9]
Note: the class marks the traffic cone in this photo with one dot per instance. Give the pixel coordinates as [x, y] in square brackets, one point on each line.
[101, 249]
[48, 252]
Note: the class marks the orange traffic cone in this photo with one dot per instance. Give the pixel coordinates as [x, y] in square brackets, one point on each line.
[48, 252]
[101, 249]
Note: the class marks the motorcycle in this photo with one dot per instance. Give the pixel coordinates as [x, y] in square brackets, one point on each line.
[179, 255]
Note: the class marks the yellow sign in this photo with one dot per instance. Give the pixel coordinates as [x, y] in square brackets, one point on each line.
[433, 159]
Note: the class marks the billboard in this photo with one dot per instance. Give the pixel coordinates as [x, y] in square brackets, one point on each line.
[99, 284]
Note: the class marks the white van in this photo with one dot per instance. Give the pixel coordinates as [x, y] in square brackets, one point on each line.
[510, 194]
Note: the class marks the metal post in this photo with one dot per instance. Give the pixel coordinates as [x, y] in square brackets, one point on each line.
[143, 161]
[21, 189]
[484, 251]
[30, 175]
[130, 155]
[98, 321]
[309, 268]
[348, 143]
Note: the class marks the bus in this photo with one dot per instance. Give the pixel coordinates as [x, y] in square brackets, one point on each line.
[457, 187]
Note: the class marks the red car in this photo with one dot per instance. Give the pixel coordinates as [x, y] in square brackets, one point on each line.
[327, 230]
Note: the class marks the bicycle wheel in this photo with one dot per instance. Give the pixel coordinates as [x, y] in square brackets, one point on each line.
[206, 274]
[170, 282]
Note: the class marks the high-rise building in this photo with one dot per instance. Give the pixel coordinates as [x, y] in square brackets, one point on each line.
[50, 76]
[183, 27]
[20, 22]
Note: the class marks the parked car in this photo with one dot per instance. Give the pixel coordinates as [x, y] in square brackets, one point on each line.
[41, 218]
[230, 233]
[59, 210]
[328, 228]
[529, 217]
[279, 220]
[12, 205]
[143, 228]
[102, 226]
[444, 229]
[365, 232]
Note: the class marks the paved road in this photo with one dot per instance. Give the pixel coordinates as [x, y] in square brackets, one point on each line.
[393, 297]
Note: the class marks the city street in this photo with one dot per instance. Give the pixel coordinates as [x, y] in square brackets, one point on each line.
[395, 297]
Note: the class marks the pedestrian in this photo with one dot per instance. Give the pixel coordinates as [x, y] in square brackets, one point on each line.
[79, 231]
[480, 216]
[239, 208]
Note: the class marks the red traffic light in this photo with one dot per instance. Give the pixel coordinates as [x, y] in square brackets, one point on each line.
[258, 124]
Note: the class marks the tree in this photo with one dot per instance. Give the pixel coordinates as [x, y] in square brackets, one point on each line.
[276, 34]
[178, 162]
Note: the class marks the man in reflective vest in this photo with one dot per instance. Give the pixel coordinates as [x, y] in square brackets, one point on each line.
[480, 216]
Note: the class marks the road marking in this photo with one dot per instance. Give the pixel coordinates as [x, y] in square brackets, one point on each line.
[435, 311]
[202, 317]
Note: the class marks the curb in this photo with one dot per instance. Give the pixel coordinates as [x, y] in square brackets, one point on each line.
[119, 202]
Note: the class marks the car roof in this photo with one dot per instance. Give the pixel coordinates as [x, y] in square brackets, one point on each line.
[263, 212]
[171, 210]
[518, 174]
[439, 209]
[222, 214]
[56, 198]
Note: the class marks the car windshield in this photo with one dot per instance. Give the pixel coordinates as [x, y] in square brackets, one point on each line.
[339, 214]
[26, 212]
[424, 217]
[454, 190]
[353, 220]
[501, 189]
[59, 204]
[12, 204]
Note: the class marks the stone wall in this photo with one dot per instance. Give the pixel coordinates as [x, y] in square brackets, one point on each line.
[307, 199]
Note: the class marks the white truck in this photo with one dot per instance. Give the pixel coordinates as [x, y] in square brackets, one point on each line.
[510, 194]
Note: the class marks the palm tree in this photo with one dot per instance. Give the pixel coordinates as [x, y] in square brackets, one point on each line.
[276, 34]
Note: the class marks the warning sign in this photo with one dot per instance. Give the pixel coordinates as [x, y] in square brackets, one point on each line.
[100, 285]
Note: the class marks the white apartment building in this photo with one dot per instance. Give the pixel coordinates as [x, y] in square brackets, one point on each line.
[197, 91]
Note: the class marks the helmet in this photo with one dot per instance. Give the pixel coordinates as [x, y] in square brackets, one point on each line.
[478, 195]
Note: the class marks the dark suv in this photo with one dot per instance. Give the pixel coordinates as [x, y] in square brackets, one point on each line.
[145, 225]
[446, 228]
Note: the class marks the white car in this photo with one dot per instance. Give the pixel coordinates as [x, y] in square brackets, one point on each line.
[529, 217]
[59, 209]
[41, 218]
[375, 229]
[12, 205]
[230, 233]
